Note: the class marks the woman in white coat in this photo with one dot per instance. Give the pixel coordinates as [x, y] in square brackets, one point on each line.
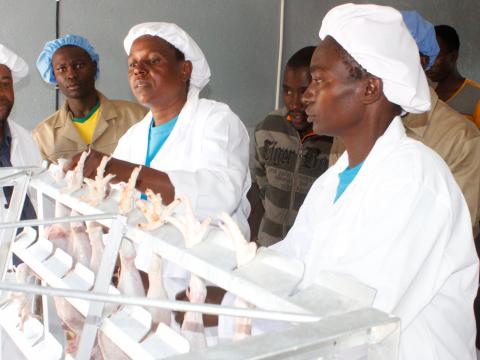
[190, 146]
[389, 213]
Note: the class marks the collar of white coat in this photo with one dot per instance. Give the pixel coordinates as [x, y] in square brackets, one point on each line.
[382, 148]
[180, 127]
[13, 128]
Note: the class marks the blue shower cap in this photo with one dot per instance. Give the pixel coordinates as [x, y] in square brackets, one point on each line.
[44, 61]
[424, 34]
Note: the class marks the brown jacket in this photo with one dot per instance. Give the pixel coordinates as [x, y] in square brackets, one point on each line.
[454, 138]
[57, 136]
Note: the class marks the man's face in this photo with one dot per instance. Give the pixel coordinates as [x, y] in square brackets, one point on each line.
[332, 100]
[6, 92]
[295, 82]
[74, 71]
[156, 76]
[444, 63]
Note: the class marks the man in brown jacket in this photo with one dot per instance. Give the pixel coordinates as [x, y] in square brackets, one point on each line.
[446, 131]
[87, 119]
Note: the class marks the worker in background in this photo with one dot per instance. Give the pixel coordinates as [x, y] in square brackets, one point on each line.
[442, 129]
[87, 119]
[460, 93]
[289, 156]
[389, 213]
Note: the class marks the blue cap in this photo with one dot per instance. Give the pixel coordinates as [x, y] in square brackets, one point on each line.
[424, 34]
[44, 61]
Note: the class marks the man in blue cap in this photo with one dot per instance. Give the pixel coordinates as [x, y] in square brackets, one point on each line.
[87, 119]
[444, 130]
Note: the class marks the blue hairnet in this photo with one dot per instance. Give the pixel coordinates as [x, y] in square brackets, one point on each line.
[424, 34]
[44, 61]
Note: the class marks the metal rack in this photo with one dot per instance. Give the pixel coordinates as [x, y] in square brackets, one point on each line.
[333, 315]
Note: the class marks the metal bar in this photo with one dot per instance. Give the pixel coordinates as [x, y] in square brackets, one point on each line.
[22, 168]
[330, 338]
[52, 323]
[37, 222]
[280, 53]
[14, 176]
[102, 283]
[164, 304]
[7, 235]
[40, 208]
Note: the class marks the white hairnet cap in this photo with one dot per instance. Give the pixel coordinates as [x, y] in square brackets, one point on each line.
[176, 36]
[15, 63]
[378, 39]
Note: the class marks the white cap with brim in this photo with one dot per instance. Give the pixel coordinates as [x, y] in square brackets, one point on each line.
[176, 36]
[15, 63]
[378, 39]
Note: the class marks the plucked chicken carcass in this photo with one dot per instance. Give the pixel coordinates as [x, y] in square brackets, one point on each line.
[154, 211]
[192, 230]
[192, 327]
[128, 193]
[97, 188]
[75, 177]
[157, 290]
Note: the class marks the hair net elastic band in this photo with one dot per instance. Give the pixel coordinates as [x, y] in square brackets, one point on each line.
[44, 61]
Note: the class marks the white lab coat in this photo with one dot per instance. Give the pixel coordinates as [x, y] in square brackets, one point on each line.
[23, 152]
[205, 157]
[402, 227]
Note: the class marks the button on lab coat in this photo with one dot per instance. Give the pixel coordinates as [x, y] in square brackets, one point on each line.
[23, 152]
[402, 227]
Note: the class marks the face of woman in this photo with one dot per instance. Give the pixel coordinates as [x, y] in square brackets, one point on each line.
[156, 76]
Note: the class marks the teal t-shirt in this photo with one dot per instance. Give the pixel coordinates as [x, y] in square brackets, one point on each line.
[157, 135]
[346, 178]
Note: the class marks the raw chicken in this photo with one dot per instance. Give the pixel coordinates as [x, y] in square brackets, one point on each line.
[245, 251]
[95, 234]
[81, 252]
[97, 188]
[81, 248]
[58, 170]
[243, 326]
[23, 301]
[75, 177]
[59, 234]
[192, 230]
[157, 290]
[73, 322]
[128, 193]
[130, 282]
[154, 211]
[192, 327]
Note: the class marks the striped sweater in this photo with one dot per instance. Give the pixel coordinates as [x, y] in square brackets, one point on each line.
[285, 168]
